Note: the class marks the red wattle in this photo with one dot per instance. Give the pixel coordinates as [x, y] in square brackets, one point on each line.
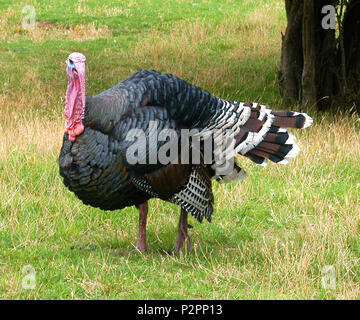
[75, 131]
[75, 96]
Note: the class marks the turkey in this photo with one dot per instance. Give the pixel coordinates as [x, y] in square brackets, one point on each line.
[105, 133]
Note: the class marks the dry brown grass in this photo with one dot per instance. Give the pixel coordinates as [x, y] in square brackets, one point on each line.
[190, 45]
[11, 28]
[45, 31]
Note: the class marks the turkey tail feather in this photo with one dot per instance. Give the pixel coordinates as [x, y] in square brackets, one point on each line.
[289, 119]
[265, 136]
[258, 133]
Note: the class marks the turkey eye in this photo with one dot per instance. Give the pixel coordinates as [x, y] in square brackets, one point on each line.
[71, 62]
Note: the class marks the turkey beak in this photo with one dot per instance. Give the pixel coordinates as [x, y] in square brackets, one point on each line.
[71, 67]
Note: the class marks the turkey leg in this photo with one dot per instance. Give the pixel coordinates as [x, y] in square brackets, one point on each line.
[143, 211]
[183, 232]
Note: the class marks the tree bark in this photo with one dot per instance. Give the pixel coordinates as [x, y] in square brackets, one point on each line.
[325, 58]
[351, 36]
[289, 75]
[308, 84]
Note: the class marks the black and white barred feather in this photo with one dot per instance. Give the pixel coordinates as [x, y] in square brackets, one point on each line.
[257, 132]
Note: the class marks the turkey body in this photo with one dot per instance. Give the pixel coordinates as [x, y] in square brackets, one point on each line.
[96, 168]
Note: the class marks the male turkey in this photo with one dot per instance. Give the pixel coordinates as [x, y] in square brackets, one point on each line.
[101, 130]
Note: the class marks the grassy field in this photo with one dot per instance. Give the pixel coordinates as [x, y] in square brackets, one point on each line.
[272, 236]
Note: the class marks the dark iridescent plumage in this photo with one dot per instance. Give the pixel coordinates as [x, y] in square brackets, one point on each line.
[95, 167]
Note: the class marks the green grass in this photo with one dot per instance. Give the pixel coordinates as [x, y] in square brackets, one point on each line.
[271, 235]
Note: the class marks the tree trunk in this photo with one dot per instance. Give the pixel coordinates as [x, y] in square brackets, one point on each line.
[351, 36]
[308, 84]
[325, 59]
[315, 69]
[291, 67]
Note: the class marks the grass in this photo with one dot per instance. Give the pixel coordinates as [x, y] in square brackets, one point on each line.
[271, 235]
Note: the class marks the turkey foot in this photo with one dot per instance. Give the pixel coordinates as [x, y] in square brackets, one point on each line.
[143, 211]
[183, 233]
